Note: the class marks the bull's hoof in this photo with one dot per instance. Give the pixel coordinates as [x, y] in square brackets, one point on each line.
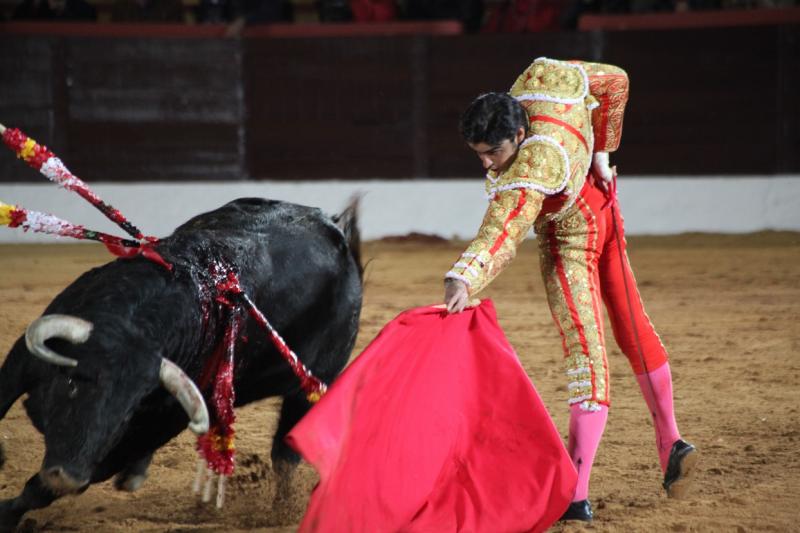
[293, 484]
[283, 469]
[128, 482]
[29, 525]
[9, 517]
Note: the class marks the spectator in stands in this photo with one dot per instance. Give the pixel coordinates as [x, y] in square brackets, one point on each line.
[334, 10]
[74, 10]
[373, 10]
[242, 13]
[469, 12]
[518, 16]
[263, 11]
[656, 6]
[213, 12]
[147, 11]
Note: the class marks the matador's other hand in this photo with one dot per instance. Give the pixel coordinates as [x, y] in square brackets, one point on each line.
[456, 295]
[602, 170]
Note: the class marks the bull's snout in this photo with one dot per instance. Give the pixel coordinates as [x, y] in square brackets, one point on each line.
[59, 481]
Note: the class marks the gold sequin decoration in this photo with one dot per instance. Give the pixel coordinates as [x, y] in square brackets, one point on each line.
[538, 163]
[573, 236]
[495, 222]
[555, 79]
[609, 84]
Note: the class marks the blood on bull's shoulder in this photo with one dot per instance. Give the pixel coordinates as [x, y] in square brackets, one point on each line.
[120, 359]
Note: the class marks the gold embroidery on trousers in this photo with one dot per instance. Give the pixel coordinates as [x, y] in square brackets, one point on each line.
[585, 358]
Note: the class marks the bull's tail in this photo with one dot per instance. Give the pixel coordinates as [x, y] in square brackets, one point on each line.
[347, 221]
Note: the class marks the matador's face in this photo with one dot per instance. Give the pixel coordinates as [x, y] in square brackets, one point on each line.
[498, 157]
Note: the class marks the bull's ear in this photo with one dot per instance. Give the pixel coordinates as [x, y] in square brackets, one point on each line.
[175, 380]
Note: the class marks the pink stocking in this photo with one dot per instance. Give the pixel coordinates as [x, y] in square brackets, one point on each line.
[656, 388]
[585, 430]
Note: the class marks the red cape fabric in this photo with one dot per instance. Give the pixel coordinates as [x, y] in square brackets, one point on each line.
[435, 427]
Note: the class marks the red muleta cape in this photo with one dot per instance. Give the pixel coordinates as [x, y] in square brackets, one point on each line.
[435, 427]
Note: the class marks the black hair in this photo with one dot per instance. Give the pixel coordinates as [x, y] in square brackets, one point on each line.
[492, 118]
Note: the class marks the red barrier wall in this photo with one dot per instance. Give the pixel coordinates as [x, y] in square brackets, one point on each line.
[134, 102]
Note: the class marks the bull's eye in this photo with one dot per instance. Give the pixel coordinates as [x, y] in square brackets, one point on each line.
[72, 389]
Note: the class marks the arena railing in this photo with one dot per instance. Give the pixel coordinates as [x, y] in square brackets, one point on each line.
[690, 19]
[298, 30]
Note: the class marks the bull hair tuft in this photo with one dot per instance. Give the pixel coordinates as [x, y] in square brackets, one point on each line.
[347, 221]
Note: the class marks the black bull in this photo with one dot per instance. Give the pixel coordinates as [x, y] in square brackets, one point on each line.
[106, 415]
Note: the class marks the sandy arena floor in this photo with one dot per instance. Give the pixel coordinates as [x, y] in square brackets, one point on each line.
[727, 308]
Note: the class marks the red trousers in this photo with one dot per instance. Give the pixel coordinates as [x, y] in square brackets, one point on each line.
[584, 262]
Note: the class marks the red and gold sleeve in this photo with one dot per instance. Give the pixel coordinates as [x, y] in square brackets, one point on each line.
[609, 85]
[506, 223]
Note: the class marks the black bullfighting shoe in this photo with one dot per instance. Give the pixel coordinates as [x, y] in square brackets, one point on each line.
[580, 510]
[682, 461]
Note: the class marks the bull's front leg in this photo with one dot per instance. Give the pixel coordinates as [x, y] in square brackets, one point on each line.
[34, 496]
[133, 475]
[284, 458]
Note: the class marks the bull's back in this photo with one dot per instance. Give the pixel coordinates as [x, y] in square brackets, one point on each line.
[251, 216]
[274, 245]
[295, 263]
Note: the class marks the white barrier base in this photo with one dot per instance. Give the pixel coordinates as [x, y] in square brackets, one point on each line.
[450, 208]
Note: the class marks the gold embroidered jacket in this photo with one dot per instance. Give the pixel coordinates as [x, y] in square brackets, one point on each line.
[575, 109]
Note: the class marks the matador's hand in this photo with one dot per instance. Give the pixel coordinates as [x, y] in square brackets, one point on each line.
[602, 170]
[456, 295]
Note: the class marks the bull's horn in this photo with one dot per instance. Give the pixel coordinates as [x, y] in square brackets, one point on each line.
[75, 330]
[186, 392]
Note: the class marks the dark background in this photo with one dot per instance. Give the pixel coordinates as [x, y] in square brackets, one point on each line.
[714, 101]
